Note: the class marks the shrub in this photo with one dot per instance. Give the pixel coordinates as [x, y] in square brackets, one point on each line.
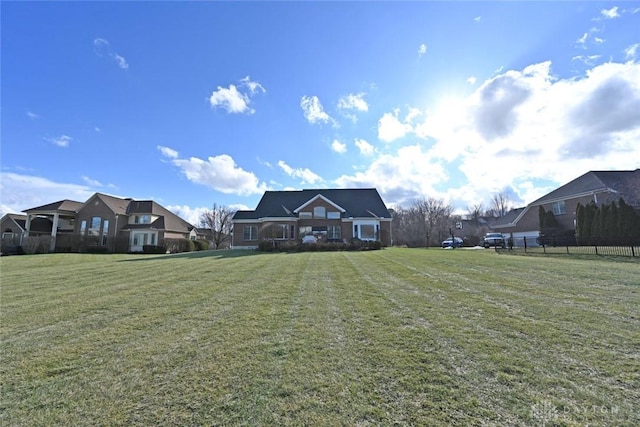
[179, 245]
[267, 246]
[201, 245]
[36, 244]
[97, 249]
[153, 249]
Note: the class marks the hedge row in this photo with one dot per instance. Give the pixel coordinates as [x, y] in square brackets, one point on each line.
[287, 246]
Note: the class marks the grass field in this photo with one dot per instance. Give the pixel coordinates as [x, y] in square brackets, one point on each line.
[391, 337]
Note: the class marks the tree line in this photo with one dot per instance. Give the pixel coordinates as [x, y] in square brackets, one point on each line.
[610, 221]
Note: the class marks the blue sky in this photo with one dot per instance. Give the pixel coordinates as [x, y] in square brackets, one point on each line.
[196, 103]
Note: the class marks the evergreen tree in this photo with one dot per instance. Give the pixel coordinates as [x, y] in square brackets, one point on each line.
[580, 221]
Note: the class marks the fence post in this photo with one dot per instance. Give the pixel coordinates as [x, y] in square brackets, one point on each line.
[524, 238]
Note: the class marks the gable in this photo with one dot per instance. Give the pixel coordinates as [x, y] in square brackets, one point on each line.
[314, 199]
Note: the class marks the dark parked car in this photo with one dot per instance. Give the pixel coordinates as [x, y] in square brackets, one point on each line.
[456, 243]
[494, 239]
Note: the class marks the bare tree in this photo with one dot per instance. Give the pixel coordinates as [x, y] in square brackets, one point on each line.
[436, 215]
[500, 205]
[474, 212]
[217, 221]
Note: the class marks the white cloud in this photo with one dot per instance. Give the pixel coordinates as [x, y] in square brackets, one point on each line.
[313, 110]
[582, 41]
[523, 128]
[91, 182]
[189, 214]
[471, 80]
[390, 127]
[254, 87]
[632, 51]
[60, 141]
[610, 13]
[306, 175]
[477, 18]
[422, 49]
[168, 152]
[103, 48]
[20, 192]
[589, 60]
[32, 115]
[364, 147]
[234, 100]
[353, 101]
[401, 177]
[230, 99]
[219, 173]
[338, 147]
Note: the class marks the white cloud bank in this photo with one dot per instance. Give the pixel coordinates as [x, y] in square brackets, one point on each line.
[519, 127]
[20, 192]
[219, 173]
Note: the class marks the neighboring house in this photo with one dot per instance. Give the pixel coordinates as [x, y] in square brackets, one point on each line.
[14, 227]
[330, 215]
[112, 223]
[599, 187]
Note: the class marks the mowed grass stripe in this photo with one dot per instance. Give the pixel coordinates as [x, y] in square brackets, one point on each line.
[533, 339]
[406, 337]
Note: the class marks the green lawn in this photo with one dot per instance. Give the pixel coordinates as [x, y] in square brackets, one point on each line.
[391, 337]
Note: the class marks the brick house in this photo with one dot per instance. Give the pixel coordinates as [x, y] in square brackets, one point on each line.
[330, 215]
[111, 223]
[599, 187]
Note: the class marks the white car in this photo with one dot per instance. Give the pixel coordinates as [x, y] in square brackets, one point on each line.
[309, 239]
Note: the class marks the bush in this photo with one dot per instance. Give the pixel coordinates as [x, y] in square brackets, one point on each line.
[97, 249]
[201, 245]
[36, 244]
[179, 245]
[153, 249]
[267, 246]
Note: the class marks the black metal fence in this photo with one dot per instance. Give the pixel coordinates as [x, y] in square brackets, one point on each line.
[574, 246]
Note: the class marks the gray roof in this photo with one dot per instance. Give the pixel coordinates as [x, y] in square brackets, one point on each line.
[625, 184]
[69, 206]
[508, 219]
[356, 202]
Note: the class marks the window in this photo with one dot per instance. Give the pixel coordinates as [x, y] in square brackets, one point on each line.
[305, 231]
[142, 219]
[278, 231]
[558, 208]
[83, 227]
[140, 239]
[334, 232]
[293, 232]
[367, 232]
[105, 231]
[333, 215]
[251, 232]
[94, 227]
[305, 215]
[319, 212]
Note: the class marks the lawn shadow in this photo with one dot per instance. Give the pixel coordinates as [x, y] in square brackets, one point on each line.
[216, 254]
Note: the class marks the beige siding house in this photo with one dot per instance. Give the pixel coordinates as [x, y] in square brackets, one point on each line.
[106, 223]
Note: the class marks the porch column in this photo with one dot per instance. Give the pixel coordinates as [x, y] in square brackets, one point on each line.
[54, 232]
[28, 225]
